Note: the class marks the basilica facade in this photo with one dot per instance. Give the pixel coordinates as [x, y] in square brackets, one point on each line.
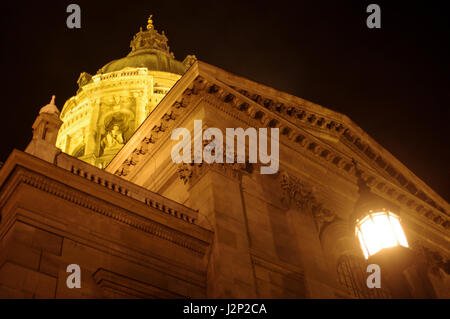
[97, 187]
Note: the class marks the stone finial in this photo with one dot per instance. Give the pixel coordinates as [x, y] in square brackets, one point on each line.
[50, 108]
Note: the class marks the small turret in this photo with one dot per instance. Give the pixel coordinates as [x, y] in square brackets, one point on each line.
[45, 131]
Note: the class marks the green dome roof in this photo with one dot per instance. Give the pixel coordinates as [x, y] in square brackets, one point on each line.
[146, 58]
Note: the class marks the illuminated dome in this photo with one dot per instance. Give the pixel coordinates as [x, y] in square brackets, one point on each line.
[110, 105]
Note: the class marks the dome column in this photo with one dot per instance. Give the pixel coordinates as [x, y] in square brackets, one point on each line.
[140, 107]
[92, 144]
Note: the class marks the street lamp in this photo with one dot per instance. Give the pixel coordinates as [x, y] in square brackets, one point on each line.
[376, 221]
[377, 226]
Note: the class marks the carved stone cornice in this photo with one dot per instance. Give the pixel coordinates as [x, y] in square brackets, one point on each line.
[108, 180]
[108, 210]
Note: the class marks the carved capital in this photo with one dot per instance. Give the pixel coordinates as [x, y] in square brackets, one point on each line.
[301, 194]
[295, 191]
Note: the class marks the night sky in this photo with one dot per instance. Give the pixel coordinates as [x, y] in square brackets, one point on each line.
[393, 82]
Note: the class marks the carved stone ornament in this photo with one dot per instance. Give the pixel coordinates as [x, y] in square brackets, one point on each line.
[301, 194]
[322, 216]
[294, 191]
[189, 60]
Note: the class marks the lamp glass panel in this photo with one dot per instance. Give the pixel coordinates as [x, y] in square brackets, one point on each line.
[370, 236]
[363, 245]
[398, 230]
[380, 230]
[385, 234]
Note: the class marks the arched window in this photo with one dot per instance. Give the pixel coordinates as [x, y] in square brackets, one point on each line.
[352, 276]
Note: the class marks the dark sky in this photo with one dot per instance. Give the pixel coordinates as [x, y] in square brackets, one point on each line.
[393, 82]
